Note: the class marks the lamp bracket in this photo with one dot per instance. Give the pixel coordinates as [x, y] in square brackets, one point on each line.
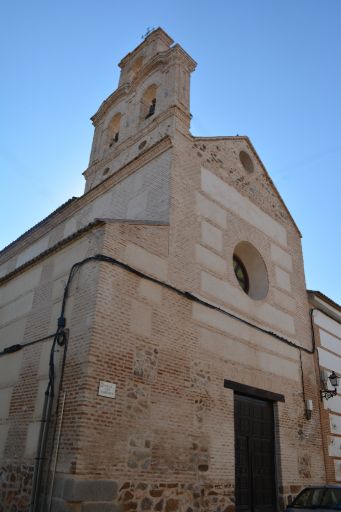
[328, 393]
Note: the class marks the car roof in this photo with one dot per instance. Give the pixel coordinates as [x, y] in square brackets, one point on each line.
[323, 486]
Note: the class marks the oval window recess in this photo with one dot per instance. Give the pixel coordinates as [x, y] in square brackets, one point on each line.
[250, 271]
[142, 145]
[106, 170]
[246, 161]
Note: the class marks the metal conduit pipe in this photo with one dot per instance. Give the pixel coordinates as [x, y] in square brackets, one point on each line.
[56, 455]
[36, 472]
[61, 339]
[36, 506]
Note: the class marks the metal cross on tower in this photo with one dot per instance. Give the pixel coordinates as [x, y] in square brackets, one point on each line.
[149, 31]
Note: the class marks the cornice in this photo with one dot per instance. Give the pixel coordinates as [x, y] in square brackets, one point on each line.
[319, 297]
[45, 219]
[158, 33]
[58, 246]
[272, 184]
[185, 57]
[151, 65]
[71, 208]
[75, 236]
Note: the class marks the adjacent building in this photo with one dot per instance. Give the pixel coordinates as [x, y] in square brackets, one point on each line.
[326, 325]
[165, 313]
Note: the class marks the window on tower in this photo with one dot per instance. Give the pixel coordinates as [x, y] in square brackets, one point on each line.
[114, 129]
[148, 102]
[151, 108]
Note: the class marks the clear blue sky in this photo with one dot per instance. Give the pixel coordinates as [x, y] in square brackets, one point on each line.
[269, 69]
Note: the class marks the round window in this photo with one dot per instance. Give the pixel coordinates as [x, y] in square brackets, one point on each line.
[246, 161]
[241, 274]
[250, 271]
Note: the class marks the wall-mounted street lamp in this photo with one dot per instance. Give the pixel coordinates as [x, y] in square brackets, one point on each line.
[329, 393]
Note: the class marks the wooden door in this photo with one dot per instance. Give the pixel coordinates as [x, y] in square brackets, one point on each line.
[254, 455]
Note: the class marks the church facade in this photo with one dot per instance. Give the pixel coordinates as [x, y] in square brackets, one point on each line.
[156, 348]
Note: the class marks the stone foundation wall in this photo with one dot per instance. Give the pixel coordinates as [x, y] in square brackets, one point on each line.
[171, 497]
[72, 494]
[15, 487]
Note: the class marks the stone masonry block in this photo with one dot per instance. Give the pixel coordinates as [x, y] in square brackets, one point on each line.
[211, 236]
[141, 318]
[86, 490]
[58, 486]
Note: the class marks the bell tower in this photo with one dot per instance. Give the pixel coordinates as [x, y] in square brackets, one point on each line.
[151, 102]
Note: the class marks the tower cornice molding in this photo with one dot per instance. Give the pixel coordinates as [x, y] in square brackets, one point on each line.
[179, 52]
[158, 33]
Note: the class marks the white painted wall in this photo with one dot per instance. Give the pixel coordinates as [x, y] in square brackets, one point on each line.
[327, 323]
[329, 361]
[334, 446]
[333, 404]
[335, 422]
[330, 342]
